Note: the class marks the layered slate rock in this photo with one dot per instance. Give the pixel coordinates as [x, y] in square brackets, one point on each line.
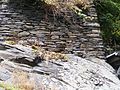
[74, 74]
[26, 25]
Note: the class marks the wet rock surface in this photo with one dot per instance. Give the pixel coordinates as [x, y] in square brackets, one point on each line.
[75, 74]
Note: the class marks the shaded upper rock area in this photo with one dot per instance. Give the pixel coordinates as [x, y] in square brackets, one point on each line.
[69, 34]
[74, 74]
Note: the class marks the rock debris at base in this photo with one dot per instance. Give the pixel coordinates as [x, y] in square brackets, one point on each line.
[75, 74]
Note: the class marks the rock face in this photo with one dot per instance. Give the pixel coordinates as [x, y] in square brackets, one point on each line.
[20, 66]
[75, 74]
[80, 36]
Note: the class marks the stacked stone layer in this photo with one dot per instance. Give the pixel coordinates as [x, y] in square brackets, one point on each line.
[28, 25]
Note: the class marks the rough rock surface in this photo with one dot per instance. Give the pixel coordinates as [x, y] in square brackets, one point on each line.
[75, 74]
[71, 36]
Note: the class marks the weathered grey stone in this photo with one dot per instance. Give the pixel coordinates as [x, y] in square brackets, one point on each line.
[4, 74]
[93, 35]
[4, 31]
[11, 26]
[75, 74]
[2, 16]
[28, 26]
[85, 30]
[24, 33]
[55, 37]
[19, 23]
[16, 30]
[83, 40]
[96, 31]
[4, 28]
[92, 24]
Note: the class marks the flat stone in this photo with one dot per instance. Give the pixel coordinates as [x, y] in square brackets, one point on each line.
[24, 33]
[2, 16]
[16, 30]
[42, 28]
[55, 37]
[95, 31]
[56, 33]
[92, 24]
[4, 74]
[93, 35]
[4, 28]
[11, 26]
[19, 23]
[28, 27]
[83, 40]
[4, 31]
[5, 18]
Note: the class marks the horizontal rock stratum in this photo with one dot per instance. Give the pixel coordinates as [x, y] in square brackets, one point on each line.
[71, 35]
[18, 68]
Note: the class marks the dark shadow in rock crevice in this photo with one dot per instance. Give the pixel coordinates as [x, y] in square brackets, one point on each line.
[26, 61]
[1, 60]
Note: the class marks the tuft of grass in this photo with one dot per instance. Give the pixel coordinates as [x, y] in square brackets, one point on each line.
[22, 81]
[8, 86]
[83, 3]
[66, 4]
[48, 55]
[61, 7]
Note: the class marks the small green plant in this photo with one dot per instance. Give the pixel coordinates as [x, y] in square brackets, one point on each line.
[8, 87]
[78, 11]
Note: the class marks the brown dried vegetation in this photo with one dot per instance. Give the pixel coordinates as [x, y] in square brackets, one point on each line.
[47, 55]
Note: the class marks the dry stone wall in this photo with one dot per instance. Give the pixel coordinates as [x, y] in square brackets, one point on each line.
[28, 25]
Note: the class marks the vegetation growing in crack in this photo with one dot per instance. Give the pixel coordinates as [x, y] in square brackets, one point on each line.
[57, 8]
